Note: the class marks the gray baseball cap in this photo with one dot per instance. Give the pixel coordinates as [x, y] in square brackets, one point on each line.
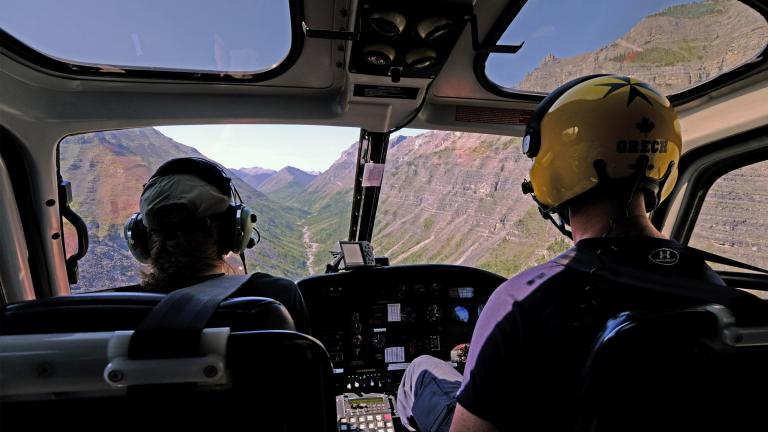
[172, 199]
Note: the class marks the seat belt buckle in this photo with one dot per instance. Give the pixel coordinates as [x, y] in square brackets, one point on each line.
[206, 369]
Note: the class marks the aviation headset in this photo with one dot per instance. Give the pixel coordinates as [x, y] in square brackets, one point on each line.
[236, 222]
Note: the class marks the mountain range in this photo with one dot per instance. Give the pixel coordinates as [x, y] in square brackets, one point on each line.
[286, 183]
[254, 176]
[107, 171]
[672, 50]
[447, 197]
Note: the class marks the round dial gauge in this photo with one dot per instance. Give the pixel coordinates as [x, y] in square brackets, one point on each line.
[461, 314]
[434, 313]
[357, 327]
[378, 340]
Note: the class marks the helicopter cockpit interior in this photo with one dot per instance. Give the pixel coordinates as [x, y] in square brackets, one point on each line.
[386, 132]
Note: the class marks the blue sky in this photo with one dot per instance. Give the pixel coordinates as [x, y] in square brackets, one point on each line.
[250, 35]
[231, 35]
[310, 148]
[566, 28]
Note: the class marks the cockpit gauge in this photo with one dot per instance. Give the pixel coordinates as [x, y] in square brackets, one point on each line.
[435, 288]
[419, 289]
[461, 314]
[357, 328]
[434, 313]
[357, 340]
[401, 290]
[408, 314]
[378, 340]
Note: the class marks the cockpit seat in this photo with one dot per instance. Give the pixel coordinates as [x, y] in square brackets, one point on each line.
[677, 370]
[65, 363]
[124, 311]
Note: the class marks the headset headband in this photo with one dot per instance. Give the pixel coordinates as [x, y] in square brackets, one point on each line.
[532, 139]
[207, 171]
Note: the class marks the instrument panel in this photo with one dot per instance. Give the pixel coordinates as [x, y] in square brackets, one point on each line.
[375, 321]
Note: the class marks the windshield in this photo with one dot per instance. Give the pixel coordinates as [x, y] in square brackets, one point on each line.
[237, 37]
[107, 171]
[447, 197]
[454, 197]
[671, 44]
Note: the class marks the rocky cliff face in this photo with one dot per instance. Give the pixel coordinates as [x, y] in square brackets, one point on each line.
[446, 197]
[733, 221]
[455, 197]
[672, 50]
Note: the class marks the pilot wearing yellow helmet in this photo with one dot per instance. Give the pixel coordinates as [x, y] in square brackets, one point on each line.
[612, 133]
[605, 151]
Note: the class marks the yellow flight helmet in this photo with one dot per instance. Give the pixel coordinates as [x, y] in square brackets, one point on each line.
[601, 128]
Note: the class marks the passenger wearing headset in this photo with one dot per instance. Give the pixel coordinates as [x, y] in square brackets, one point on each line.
[605, 150]
[191, 216]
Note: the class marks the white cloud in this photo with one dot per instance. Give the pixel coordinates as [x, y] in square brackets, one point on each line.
[547, 30]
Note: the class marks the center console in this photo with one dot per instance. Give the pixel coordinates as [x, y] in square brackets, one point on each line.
[374, 321]
[365, 412]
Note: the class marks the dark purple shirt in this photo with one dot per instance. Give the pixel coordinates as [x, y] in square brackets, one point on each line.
[537, 328]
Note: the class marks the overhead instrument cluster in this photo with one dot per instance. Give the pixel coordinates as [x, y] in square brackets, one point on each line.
[406, 38]
[375, 321]
[401, 38]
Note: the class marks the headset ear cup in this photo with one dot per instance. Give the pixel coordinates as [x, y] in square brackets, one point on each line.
[531, 143]
[246, 221]
[137, 238]
[235, 229]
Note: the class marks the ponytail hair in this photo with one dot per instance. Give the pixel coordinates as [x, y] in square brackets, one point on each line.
[178, 255]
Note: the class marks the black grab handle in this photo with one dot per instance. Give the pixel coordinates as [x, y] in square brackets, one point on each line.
[65, 198]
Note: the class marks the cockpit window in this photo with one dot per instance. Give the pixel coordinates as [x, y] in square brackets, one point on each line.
[454, 198]
[295, 178]
[235, 38]
[447, 197]
[733, 220]
[673, 45]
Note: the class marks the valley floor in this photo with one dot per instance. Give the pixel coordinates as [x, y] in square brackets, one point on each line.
[311, 249]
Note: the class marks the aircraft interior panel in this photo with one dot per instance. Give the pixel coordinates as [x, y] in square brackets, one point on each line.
[375, 321]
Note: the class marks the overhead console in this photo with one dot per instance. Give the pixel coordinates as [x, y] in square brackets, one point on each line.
[401, 38]
[395, 49]
[375, 320]
[406, 38]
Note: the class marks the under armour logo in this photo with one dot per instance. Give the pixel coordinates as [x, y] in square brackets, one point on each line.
[664, 256]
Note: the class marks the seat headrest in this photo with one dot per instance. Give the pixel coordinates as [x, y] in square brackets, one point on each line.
[124, 311]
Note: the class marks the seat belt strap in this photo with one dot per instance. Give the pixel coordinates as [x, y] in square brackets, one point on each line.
[173, 327]
[588, 261]
[708, 256]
